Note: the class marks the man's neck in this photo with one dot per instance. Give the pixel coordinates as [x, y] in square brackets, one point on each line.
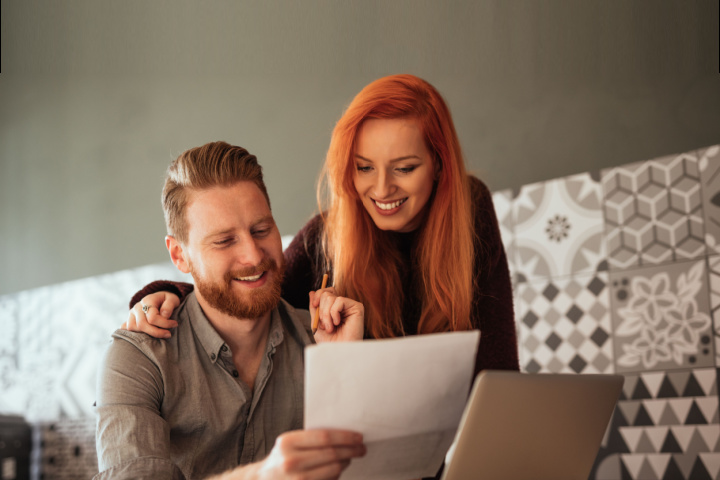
[246, 337]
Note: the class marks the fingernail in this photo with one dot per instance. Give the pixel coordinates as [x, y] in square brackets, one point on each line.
[168, 335]
[166, 314]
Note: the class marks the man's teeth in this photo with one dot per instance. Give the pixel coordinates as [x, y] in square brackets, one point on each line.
[249, 279]
[390, 206]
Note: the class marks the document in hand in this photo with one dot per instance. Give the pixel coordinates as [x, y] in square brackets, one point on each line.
[405, 395]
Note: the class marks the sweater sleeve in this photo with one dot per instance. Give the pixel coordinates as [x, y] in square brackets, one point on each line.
[301, 264]
[493, 303]
[180, 289]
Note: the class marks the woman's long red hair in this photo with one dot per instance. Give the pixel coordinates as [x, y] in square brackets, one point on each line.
[364, 259]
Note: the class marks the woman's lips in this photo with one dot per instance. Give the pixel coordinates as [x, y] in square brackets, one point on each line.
[388, 208]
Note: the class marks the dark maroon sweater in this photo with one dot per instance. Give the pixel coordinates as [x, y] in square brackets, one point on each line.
[492, 310]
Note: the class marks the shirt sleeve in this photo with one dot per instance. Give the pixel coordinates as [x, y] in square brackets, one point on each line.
[181, 289]
[132, 438]
[493, 311]
[143, 468]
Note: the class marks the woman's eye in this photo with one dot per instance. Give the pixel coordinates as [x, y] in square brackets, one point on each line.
[364, 169]
[406, 169]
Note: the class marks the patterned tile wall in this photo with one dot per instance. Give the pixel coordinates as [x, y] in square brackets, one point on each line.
[619, 271]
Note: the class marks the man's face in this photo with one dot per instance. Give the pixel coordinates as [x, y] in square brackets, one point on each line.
[234, 251]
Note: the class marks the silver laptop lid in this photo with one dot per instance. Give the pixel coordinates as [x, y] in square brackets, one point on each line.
[520, 426]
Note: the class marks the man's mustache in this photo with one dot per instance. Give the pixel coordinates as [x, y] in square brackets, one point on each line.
[266, 265]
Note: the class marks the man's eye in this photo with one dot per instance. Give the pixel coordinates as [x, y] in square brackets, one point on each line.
[224, 242]
[261, 233]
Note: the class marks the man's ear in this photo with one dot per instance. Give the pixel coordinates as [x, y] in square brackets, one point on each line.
[177, 254]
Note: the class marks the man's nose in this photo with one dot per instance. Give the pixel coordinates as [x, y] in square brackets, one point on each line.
[250, 253]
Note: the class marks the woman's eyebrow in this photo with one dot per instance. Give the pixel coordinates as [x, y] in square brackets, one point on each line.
[399, 159]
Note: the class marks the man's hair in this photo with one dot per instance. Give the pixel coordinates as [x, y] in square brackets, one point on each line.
[213, 164]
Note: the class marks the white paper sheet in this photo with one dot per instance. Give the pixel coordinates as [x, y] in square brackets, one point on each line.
[405, 395]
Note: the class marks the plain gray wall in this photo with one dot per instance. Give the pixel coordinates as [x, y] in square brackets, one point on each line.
[98, 96]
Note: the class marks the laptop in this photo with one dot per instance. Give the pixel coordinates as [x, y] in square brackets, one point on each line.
[519, 426]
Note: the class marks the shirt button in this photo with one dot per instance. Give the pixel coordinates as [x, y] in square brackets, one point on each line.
[212, 355]
[224, 348]
[235, 373]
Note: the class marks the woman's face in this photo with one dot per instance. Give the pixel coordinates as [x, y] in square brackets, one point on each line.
[394, 173]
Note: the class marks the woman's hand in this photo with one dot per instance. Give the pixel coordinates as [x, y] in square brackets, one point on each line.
[154, 320]
[341, 319]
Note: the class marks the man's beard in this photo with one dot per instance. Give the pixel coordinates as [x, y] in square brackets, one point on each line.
[251, 304]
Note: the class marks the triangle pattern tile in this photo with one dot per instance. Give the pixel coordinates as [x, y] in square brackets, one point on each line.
[632, 437]
[629, 410]
[697, 444]
[644, 443]
[673, 471]
[712, 463]
[707, 379]
[658, 435]
[647, 471]
[679, 380]
[656, 409]
[671, 445]
[680, 407]
[699, 472]
[633, 463]
[683, 436]
[685, 464]
[659, 463]
[695, 415]
[711, 435]
[653, 382]
[709, 408]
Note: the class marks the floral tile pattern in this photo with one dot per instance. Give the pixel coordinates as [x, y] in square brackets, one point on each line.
[558, 228]
[709, 164]
[653, 212]
[661, 317]
[564, 325]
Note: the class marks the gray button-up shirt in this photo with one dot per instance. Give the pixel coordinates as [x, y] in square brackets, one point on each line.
[177, 408]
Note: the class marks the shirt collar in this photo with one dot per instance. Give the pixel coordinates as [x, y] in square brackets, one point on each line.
[211, 340]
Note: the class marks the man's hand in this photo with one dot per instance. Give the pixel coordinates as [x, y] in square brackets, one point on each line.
[156, 321]
[341, 319]
[306, 454]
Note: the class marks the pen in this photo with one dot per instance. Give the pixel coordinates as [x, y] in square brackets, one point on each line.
[317, 312]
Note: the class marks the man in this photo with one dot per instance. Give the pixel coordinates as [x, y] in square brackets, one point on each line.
[227, 388]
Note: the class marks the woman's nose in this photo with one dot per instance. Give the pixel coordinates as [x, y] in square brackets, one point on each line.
[383, 185]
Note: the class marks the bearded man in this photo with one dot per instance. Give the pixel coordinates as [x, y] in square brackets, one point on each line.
[227, 388]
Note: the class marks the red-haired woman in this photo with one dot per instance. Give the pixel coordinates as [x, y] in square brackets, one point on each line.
[407, 231]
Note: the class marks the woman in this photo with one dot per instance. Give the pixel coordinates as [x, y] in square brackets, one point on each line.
[407, 231]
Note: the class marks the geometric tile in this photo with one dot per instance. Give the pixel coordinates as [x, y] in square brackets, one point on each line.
[709, 164]
[502, 202]
[669, 437]
[661, 318]
[564, 325]
[558, 228]
[653, 212]
[714, 287]
[63, 330]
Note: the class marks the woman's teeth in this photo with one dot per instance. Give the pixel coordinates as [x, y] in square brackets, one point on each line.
[249, 279]
[390, 206]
